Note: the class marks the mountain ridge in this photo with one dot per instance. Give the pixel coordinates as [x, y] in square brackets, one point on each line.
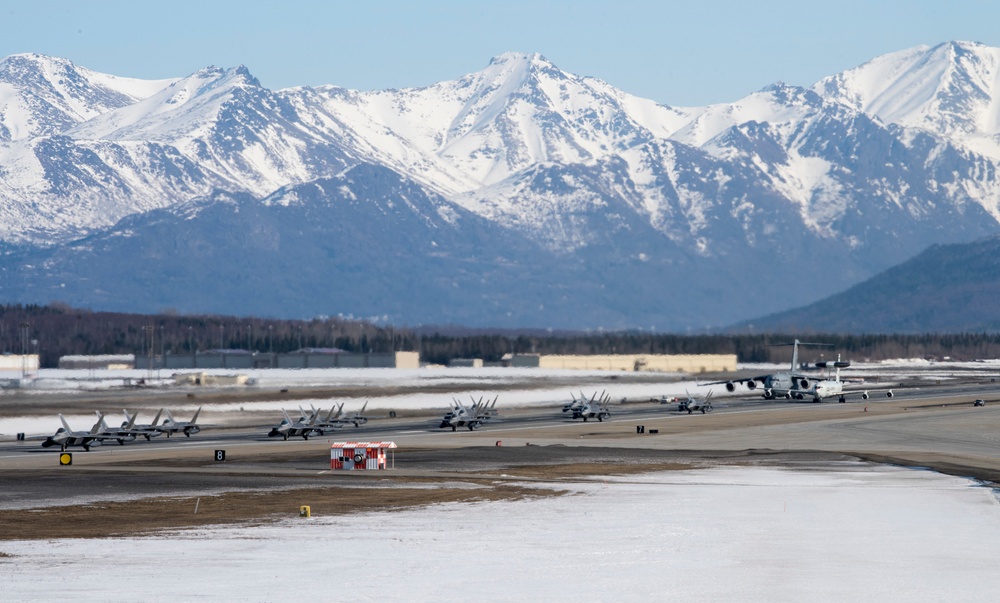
[755, 196]
[945, 289]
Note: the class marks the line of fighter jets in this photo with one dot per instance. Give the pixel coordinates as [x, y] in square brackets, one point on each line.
[790, 385]
[100, 433]
[306, 425]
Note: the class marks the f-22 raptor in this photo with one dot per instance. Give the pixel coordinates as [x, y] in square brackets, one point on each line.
[98, 434]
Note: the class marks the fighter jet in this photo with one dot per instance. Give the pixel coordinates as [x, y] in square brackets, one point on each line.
[65, 436]
[125, 433]
[170, 425]
[594, 410]
[358, 418]
[472, 417]
[335, 419]
[297, 427]
[693, 404]
[332, 422]
[147, 431]
[576, 403]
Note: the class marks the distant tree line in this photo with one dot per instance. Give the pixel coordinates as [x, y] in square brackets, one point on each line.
[57, 330]
[763, 348]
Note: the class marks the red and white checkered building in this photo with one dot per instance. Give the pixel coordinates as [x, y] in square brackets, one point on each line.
[360, 455]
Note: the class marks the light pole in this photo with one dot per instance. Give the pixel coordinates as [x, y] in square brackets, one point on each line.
[24, 349]
[163, 352]
[150, 334]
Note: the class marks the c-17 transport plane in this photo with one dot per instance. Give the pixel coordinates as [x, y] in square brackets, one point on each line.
[792, 384]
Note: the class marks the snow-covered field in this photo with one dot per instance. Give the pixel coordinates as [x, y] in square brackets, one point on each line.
[841, 532]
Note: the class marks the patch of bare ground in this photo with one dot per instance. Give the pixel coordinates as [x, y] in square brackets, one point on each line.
[145, 516]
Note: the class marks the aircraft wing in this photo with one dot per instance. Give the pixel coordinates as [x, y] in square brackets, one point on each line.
[866, 393]
[743, 380]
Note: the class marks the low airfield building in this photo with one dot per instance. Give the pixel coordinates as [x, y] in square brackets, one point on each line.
[202, 378]
[306, 358]
[19, 362]
[670, 363]
[466, 362]
[98, 362]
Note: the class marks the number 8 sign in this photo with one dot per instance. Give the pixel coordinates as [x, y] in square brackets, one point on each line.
[220, 455]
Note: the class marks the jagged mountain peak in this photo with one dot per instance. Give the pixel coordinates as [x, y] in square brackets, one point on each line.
[180, 110]
[510, 74]
[516, 58]
[950, 89]
[32, 72]
[779, 104]
[231, 76]
[42, 95]
[31, 61]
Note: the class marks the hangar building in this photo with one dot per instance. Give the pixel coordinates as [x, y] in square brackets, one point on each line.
[671, 363]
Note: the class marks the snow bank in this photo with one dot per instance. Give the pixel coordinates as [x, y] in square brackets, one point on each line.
[840, 532]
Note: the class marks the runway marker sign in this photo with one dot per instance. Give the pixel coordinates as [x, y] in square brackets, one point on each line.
[66, 458]
[220, 456]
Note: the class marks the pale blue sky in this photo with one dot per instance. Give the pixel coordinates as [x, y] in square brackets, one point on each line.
[679, 53]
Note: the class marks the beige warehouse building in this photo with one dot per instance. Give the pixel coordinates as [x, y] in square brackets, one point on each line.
[671, 363]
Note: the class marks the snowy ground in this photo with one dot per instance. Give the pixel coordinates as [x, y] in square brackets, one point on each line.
[835, 533]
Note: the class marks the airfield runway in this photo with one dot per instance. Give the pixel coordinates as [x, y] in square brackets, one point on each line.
[176, 483]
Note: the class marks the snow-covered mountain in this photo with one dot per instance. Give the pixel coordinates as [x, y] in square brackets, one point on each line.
[729, 211]
[42, 95]
[951, 89]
